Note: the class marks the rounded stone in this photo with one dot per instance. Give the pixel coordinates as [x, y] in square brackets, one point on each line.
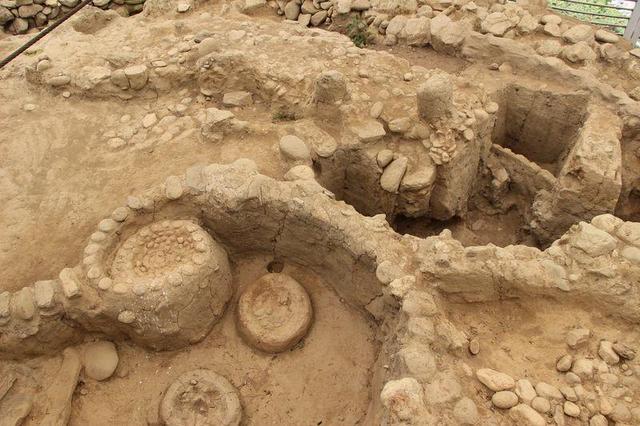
[107, 225]
[201, 397]
[504, 399]
[100, 360]
[474, 346]
[120, 214]
[495, 380]
[571, 409]
[173, 188]
[465, 412]
[105, 283]
[274, 313]
[541, 405]
[300, 172]
[564, 363]
[293, 148]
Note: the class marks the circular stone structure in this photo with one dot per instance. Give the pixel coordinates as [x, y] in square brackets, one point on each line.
[201, 397]
[274, 313]
[170, 282]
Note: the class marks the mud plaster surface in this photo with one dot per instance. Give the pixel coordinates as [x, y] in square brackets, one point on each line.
[324, 380]
[56, 180]
[525, 338]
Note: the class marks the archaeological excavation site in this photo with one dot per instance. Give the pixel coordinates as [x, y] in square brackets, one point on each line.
[318, 213]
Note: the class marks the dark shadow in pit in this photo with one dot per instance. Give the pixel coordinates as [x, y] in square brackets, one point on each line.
[476, 229]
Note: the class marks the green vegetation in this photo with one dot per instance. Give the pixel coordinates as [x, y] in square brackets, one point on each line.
[357, 30]
[614, 17]
[283, 116]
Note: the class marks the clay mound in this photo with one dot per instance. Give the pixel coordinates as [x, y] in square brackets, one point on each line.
[201, 397]
[274, 313]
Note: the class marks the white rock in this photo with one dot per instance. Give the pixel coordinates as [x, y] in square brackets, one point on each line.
[524, 389]
[541, 405]
[604, 36]
[577, 337]
[292, 10]
[571, 409]
[465, 412]
[606, 352]
[598, 420]
[293, 148]
[504, 399]
[43, 292]
[497, 23]
[523, 415]
[376, 109]
[495, 380]
[369, 131]
[564, 363]
[100, 360]
[403, 398]
[583, 368]
[149, 120]
[548, 391]
[173, 187]
[384, 157]
[300, 172]
[579, 52]
[239, 98]
[578, 33]
[393, 174]
[137, 75]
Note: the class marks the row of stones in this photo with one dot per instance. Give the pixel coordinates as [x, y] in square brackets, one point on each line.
[316, 12]
[573, 400]
[20, 16]
[423, 383]
[132, 77]
[30, 302]
[605, 235]
[163, 126]
[104, 237]
[508, 20]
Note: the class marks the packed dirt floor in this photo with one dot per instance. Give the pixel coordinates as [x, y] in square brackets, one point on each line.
[340, 212]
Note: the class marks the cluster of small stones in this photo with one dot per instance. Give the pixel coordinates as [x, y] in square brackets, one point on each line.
[176, 122]
[25, 310]
[130, 78]
[153, 253]
[594, 390]
[316, 12]
[24, 16]
[432, 24]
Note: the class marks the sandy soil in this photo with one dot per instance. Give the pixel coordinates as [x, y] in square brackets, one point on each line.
[324, 380]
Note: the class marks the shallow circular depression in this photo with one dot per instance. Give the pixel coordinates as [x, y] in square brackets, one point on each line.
[322, 380]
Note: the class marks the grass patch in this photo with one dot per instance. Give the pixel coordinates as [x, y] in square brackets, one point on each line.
[357, 30]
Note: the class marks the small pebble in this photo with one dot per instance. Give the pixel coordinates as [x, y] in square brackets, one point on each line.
[474, 346]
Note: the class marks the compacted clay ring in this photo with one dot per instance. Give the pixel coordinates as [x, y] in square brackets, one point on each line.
[274, 313]
[201, 397]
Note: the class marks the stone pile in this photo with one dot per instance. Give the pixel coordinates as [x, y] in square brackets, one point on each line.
[316, 12]
[591, 387]
[21, 16]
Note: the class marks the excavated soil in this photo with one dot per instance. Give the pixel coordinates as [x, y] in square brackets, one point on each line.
[324, 380]
[60, 173]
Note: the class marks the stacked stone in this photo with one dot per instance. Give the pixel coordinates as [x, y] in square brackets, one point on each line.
[610, 376]
[20, 16]
[317, 12]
